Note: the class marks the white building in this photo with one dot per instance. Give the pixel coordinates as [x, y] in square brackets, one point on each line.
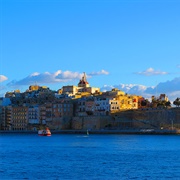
[33, 115]
[102, 106]
[114, 105]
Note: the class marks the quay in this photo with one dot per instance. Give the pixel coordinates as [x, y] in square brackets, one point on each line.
[125, 131]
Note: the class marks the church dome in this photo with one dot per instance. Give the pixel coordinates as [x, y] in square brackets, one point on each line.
[83, 82]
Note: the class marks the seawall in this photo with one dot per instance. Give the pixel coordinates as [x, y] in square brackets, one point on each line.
[84, 132]
[134, 119]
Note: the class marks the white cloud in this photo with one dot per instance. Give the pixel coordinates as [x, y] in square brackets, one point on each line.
[166, 87]
[128, 88]
[67, 75]
[107, 88]
[170, 88]
[150, 72]
[43, 78]
[35, 74]
[3, 78]
[50, 78]
[98, 73]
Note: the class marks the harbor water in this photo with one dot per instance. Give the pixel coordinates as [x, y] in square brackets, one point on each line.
[94, 156]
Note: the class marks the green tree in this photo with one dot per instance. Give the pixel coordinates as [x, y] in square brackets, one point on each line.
[177, 102]
[168, 104]
[145, 103]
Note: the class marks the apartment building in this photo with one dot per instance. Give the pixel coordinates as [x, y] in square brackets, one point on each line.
[102, 106]
[63, 108]
[48, 109]
[114, 105]
[2, 118]
[19, 118]
[90, 106]
[127, 102]
[34, 114]
[80, 107]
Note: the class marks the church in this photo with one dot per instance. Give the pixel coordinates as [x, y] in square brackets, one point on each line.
[83, 86]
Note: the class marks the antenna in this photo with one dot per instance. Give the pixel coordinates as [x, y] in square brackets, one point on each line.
[156, 90]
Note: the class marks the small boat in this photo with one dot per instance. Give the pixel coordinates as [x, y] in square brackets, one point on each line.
[44, 132]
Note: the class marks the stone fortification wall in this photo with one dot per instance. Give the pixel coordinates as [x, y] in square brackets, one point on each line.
[60, 123]
[146, 118]
[157, 118]
[91, 122]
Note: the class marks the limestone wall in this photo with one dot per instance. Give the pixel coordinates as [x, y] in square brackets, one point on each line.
[91, 122]
[60, 123]
[147, 118]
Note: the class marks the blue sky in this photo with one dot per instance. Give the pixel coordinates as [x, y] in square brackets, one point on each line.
[132, 45]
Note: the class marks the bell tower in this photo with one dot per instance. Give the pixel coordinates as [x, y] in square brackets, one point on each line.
[83, 82]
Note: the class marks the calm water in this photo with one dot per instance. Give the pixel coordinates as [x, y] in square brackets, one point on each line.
[29, 156]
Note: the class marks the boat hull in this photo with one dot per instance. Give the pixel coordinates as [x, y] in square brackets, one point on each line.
[45, 132]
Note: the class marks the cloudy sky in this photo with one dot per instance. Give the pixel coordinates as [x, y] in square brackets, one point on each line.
[133, 45]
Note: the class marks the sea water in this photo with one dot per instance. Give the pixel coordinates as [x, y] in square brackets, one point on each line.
[77, 156]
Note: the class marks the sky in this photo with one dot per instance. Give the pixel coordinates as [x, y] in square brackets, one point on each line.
[133, 45]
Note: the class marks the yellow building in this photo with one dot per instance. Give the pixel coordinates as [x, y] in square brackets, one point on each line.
[36, 88]
[125, 101]
[72, 90]
[33, 88]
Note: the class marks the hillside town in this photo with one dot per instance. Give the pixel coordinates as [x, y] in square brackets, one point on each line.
[78, 107]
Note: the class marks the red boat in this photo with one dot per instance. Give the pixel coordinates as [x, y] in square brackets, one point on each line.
[44, 132]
